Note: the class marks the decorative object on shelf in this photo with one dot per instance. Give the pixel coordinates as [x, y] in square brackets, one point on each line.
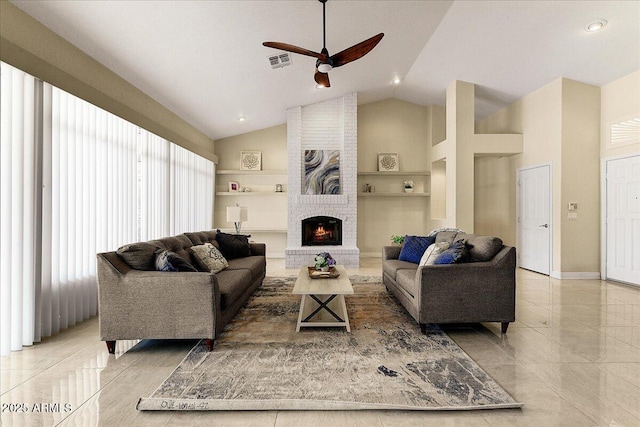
[237, 214]
[408, 186]
[234, 186]
[397, 240]
[251, 160]
[278, 188]
[388, 162]
[247, 189]
[368, 188]
[324, 261]
[321, 172]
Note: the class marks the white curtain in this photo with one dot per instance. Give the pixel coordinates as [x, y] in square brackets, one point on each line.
[191, 193]
[90, 159]
[154, 185]
[76, 180]
[18, 218]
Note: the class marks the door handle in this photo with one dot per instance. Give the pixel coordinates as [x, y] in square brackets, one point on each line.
[544, 225]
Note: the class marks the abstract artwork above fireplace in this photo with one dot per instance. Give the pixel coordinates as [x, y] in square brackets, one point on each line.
[321, 172]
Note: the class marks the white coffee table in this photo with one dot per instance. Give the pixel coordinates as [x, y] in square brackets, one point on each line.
[322, 303]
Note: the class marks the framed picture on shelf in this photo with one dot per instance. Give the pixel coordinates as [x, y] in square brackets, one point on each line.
[251, 160]
[388, 162]
[234, 187]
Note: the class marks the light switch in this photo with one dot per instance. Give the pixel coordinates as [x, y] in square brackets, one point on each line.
[572, 216]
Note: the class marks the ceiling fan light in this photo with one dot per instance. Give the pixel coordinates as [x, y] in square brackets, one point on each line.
[324, 68]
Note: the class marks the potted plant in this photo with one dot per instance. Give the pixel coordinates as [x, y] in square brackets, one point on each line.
[324, 261]
[408, 186]
[397, 240]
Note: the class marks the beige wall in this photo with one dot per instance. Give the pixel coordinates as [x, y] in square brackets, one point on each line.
[620, 100]
[30, 46]
[399, 127]
[580, 176]
[266, 212]
[560, 124]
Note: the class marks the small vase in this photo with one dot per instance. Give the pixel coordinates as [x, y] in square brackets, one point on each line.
[325, 268]
[408, 190]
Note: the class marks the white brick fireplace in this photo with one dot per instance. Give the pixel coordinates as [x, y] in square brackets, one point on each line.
[328, 125]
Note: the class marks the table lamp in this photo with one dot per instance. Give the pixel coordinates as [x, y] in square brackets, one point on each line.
[237, 214]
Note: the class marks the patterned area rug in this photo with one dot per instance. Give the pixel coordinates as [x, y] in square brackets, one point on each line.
[261, 363]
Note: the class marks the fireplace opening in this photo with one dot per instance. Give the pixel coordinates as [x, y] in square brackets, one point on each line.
[321, 230]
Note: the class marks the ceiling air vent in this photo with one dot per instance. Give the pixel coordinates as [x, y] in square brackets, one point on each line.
[280, 60]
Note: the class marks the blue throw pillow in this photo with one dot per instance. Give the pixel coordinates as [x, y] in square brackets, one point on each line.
[170, 261]
[456, 253]
[414, 247]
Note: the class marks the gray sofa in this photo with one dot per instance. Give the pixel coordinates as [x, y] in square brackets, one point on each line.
[482, 290]
[141, 303]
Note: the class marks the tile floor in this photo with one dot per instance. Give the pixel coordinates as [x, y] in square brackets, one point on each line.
[572, 357]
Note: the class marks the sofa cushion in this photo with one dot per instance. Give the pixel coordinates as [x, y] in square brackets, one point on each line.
[170, 261]
[431, 254]
[202, 237]
[392, 266]
[456, 253]
[255, 264]
[233, 245]
[414, 247]
[406, 279]
[140, 256]
[211, 257]
[232, 284]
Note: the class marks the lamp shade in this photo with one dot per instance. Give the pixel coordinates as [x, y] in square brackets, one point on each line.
[237, 213]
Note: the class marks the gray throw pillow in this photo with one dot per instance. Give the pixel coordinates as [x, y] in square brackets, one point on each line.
[139, 256]
[483, 248]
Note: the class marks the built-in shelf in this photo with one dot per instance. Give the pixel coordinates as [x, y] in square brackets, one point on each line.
[243, 172]
[250, 193]
[393, 194]
[395, 173]
[255, 231]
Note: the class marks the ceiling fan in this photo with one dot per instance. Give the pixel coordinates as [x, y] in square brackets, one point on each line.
[325, 62]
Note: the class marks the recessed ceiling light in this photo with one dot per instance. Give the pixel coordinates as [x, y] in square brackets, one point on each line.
[396, 81]
[241, 119]
[596, 26]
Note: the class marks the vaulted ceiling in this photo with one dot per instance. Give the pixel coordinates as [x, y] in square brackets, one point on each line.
[204, 60]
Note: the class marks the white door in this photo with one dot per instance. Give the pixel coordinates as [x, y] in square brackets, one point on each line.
[534, 218]
[623, 219]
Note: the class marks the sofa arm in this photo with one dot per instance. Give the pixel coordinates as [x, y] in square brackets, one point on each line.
[154, 304]
[259, 249]
[391, 252]
[469, 292]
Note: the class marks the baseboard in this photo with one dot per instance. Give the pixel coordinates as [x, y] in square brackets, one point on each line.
[371, 254]
[576, 275]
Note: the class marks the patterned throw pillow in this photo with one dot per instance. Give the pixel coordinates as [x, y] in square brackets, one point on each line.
[211, 257]
[456, 253]
[171, 261]
[414, 247]
[431, 254]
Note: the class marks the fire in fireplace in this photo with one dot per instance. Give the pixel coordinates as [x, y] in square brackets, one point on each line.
[321, 230]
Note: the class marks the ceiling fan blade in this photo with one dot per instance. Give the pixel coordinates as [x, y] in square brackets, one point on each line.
[295, 49]
[322, 78]
[356, 51]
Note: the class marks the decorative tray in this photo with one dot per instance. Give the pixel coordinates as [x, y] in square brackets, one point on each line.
[315, 274]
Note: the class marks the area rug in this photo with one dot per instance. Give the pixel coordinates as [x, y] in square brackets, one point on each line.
[261, 363]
